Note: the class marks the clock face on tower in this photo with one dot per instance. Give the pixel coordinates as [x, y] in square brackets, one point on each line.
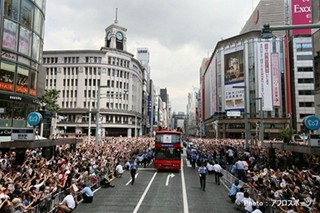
[119, 36]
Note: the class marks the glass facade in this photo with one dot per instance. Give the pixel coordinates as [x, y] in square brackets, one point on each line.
[21, 44]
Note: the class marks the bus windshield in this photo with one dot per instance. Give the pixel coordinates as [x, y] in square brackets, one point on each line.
[164, 153]
[168, 138]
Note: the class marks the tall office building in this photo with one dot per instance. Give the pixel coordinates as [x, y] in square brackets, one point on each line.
[316, 55]
[143, 56]
[21, 74]
[80, 75]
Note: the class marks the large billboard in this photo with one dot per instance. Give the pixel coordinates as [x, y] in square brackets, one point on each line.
[234, 76]
[301, 14]
[264, 75]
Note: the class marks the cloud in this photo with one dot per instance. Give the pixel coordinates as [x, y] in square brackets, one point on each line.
[178, 34]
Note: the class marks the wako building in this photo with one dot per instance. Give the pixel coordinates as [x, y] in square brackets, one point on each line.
[21, 75]
[80, 74]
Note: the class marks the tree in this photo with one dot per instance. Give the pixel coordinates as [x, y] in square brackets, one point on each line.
[50, 99]
[286, 134]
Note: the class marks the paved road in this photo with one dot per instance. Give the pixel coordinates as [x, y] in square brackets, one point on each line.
[161, 192]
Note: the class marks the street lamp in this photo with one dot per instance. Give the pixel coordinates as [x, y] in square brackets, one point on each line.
[261, 122]
[245, 114]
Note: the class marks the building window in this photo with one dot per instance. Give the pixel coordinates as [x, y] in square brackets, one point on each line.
[305, 92]
[305, 80]
[306, 104]
[304, 57]
[305, 69]
[302, 116]
[304, 47]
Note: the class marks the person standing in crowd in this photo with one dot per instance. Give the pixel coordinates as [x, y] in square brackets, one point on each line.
[119, 170]
[210, 168]
[68, 203]
[239, 197]
[233, 190]
[87, 194]
[240, 169]
[247, 203]
[193, 159]
[217, 172]
[230, 156]
[203, 171]
[133, 171]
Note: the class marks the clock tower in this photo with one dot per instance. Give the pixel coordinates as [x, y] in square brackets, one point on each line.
[116, 37]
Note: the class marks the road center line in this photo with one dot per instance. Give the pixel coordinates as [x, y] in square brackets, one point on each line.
[184, 191]
[144, 194]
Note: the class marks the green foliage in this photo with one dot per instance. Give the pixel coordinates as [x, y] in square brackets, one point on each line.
[50, 99]
[286, 134]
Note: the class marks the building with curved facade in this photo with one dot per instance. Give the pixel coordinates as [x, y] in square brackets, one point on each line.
[79, 75]
[21, 73]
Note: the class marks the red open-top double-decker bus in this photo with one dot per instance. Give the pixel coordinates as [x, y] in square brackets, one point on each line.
[167, 155]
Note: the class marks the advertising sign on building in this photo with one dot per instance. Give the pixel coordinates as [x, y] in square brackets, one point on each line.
[264, 75]
[275, 79]
[234, 76]
[23, 134]
[301, 14]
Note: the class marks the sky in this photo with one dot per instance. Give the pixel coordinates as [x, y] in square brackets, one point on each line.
[177, 33]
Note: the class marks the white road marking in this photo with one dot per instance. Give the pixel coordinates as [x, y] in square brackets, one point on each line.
[188, 163]
[131, 179]
[184, 191]
[144, 194]
[168, 177]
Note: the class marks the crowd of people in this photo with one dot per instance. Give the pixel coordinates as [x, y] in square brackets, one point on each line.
[22, 187]
[284, 185]
[281, 185]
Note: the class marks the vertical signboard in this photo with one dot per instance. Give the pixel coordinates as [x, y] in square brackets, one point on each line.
[234, 76]
[212, 69]
[301, 14]
[275, 79]
[1, 15]
[264, 75]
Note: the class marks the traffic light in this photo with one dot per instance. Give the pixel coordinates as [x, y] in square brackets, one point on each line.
[266, 32]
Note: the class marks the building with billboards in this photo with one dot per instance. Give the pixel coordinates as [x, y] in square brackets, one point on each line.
[275, 72]
[316, 54]
[242, 64]
[21, 73]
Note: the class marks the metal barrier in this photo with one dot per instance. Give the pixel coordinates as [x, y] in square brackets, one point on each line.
[229, 179]
[50, 202]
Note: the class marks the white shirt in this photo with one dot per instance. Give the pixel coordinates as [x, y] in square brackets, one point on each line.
[245, 165]
[69, 201]
[230, 152]
[256, 211]
[247, 203]
[119, 168]
[239, 197]
[210, 167]
[239, 164]
[217, 168]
